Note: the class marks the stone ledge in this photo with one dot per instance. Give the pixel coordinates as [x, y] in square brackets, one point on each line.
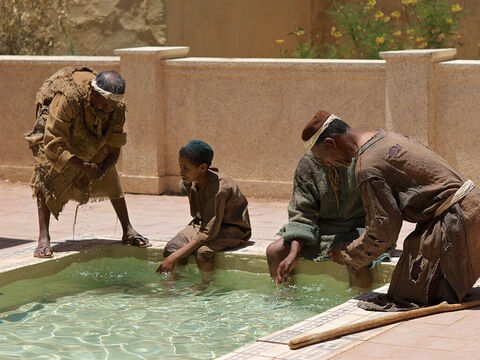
[434, 55]
[161, 52]
[212, 63]
[39, 59]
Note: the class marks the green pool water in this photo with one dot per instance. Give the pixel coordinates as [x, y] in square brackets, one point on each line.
[120, 309]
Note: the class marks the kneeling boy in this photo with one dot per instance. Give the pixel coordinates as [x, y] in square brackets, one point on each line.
[218, 207]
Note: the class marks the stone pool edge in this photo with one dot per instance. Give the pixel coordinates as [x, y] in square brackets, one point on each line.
[251, 258]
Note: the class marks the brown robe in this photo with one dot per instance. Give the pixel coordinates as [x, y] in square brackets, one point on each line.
[401, 179]
[67, 126]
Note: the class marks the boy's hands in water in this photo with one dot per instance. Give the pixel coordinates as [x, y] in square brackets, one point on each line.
[168, 264]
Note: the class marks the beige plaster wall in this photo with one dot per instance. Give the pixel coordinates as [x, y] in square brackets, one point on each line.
[252, 111]
[20, 79]
[457, 126]
[233, 28]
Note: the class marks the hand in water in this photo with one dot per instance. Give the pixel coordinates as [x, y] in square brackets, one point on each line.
[284, 269]
[167, 265]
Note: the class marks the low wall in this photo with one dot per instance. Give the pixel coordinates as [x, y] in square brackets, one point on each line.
[456, 129]
[252, 111]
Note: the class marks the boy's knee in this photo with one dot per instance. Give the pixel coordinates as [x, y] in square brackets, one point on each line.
[169, 249]
[173, 245]
[205, 254]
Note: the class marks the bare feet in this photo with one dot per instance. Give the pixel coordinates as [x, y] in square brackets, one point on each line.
[43, 250]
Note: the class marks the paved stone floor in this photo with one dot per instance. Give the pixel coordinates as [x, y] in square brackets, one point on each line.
[453, 335]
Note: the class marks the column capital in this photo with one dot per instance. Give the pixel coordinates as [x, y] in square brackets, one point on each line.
[433, 55]
[159, 52]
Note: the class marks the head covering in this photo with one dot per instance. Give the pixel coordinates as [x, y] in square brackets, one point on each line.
[106, 94]
[316, 127]
[201, 149]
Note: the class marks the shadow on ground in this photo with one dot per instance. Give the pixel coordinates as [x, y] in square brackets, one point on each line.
[8, 242]
[80, 245]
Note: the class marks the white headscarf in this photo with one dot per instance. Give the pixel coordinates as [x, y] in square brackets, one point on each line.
[311, 142]
[106, 94]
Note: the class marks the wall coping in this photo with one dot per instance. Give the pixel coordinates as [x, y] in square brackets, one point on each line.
[210, 62]
[42, 59]
[161, 52]
[434, 55]
[459, 65]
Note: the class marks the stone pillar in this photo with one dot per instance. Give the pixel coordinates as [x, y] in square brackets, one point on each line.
[410, 91]
[142, 166]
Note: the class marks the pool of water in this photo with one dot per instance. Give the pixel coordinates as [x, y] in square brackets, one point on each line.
[120, 309]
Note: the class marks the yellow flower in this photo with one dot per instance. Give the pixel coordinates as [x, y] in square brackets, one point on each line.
[337, 34]
[456, 7]
[423, 45]
[410, 31]
[449, 20]
[380, 40]
[280, 41]
[386, 18]
[395, 14]
[370, 4]
[459, 36]
[409, 2]
[419, 39]
[378, 15]
[398, 33]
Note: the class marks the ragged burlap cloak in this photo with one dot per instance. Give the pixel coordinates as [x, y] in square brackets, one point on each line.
[66, 126]
[315, 216]
[401, 179]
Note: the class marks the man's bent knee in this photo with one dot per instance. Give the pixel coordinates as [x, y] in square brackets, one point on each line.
[277, 250]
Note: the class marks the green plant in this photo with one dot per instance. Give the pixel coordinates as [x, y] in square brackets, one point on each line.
[27, 26]
[305, 49]
[432, 23]
[362, 30]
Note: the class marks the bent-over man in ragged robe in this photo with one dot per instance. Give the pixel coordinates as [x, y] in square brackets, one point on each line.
[76, 143]
[401, 179]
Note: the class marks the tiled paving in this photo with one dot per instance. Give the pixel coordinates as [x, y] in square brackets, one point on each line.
[453, 335]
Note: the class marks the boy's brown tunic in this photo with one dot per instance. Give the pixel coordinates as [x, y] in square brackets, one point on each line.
[220, 217]
[401, 179]
[67, 126]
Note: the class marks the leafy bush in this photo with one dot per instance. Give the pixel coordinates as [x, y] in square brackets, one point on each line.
[361, 29]
[27, 26]
[304, 47]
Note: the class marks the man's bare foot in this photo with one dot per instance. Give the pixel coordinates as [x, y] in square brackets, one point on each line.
[43, 250]
[132, 237]
[200, 286]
